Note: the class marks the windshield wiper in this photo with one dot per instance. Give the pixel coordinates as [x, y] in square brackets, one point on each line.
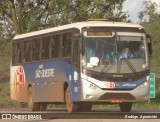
[102, 71]
[128, 63]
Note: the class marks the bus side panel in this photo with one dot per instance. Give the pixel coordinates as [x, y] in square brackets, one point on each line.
[75, 86]
[18, 84]
[49, 91]
[47, 79]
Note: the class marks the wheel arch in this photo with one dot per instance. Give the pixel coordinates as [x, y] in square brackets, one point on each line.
[30, 86]
[65, 88]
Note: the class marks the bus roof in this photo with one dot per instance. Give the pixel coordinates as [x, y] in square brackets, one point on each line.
[78, 25]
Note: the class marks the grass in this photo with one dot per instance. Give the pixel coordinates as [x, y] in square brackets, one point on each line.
[5, 101]
[151, 105]
[143, 105]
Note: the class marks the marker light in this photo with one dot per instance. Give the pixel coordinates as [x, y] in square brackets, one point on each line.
[148, 78]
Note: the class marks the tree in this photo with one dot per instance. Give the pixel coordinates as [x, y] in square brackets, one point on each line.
[150, 12]
[21, 16]
[150, 19]
[153, 29]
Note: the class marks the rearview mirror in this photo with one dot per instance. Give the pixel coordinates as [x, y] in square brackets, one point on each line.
[149, 42]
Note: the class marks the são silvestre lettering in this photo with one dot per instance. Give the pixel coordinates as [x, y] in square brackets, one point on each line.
[44, 73]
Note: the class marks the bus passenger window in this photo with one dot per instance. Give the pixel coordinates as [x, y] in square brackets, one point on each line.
[28, 51]
[66, 44]
[45, 48]
[24, 51]
[19, 52]
[37, 49]
[55, 46]
[75, 51]
[33, 50]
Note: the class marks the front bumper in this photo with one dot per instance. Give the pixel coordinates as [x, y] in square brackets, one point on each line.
[96, 94]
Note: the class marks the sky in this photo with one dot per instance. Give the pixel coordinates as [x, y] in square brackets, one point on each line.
[135, 6]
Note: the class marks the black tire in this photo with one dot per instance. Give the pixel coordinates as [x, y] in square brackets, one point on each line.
[126, 106]
[71, 106]
[85, 107]
[43, 107]
[21, 105]
[30, 101]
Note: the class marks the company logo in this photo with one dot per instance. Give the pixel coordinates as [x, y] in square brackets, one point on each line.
[19, 80]
[110, 85]
[118, 76]
[44, 73]
[127, 84]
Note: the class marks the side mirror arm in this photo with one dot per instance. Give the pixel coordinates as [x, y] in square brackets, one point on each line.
[149, 44]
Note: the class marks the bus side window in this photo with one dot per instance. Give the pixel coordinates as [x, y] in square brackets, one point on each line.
[66, 44]
[55, 46]
[28, 51]
[20, 50]
[37, 49]
[24, 51]
[75, 52]
[14, 53]
[33, 50]
[45, 47]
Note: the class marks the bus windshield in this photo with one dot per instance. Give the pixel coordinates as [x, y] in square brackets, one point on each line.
[115, 52]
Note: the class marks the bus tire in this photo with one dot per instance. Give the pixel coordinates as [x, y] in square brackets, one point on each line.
[30, 101]
[71, 106]
[21, 105]
[125, 107]
[85, 107]
[43, 107]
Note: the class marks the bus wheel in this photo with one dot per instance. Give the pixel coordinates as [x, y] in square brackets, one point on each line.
[85, 107]
[21, 105]
[30, 101]
[126, 106]
[71, 107]
[43, 107]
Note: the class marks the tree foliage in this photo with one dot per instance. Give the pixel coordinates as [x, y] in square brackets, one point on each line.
[150, 12]
[21, 16]
[152, 27]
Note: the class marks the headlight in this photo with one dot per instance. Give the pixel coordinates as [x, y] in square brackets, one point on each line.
[145, 84]
[89, 84]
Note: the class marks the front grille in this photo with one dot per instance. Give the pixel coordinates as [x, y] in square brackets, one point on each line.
[122, 96]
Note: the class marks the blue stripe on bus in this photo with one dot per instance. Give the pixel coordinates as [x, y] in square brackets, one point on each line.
[129, 84]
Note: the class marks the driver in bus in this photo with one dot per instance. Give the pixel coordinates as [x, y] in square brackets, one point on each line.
[126, 53]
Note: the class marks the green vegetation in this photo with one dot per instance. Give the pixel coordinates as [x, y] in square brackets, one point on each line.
[20, 16]
[5, 101]
[153, 29]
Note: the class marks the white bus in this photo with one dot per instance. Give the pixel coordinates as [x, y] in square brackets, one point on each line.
[81, 64]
